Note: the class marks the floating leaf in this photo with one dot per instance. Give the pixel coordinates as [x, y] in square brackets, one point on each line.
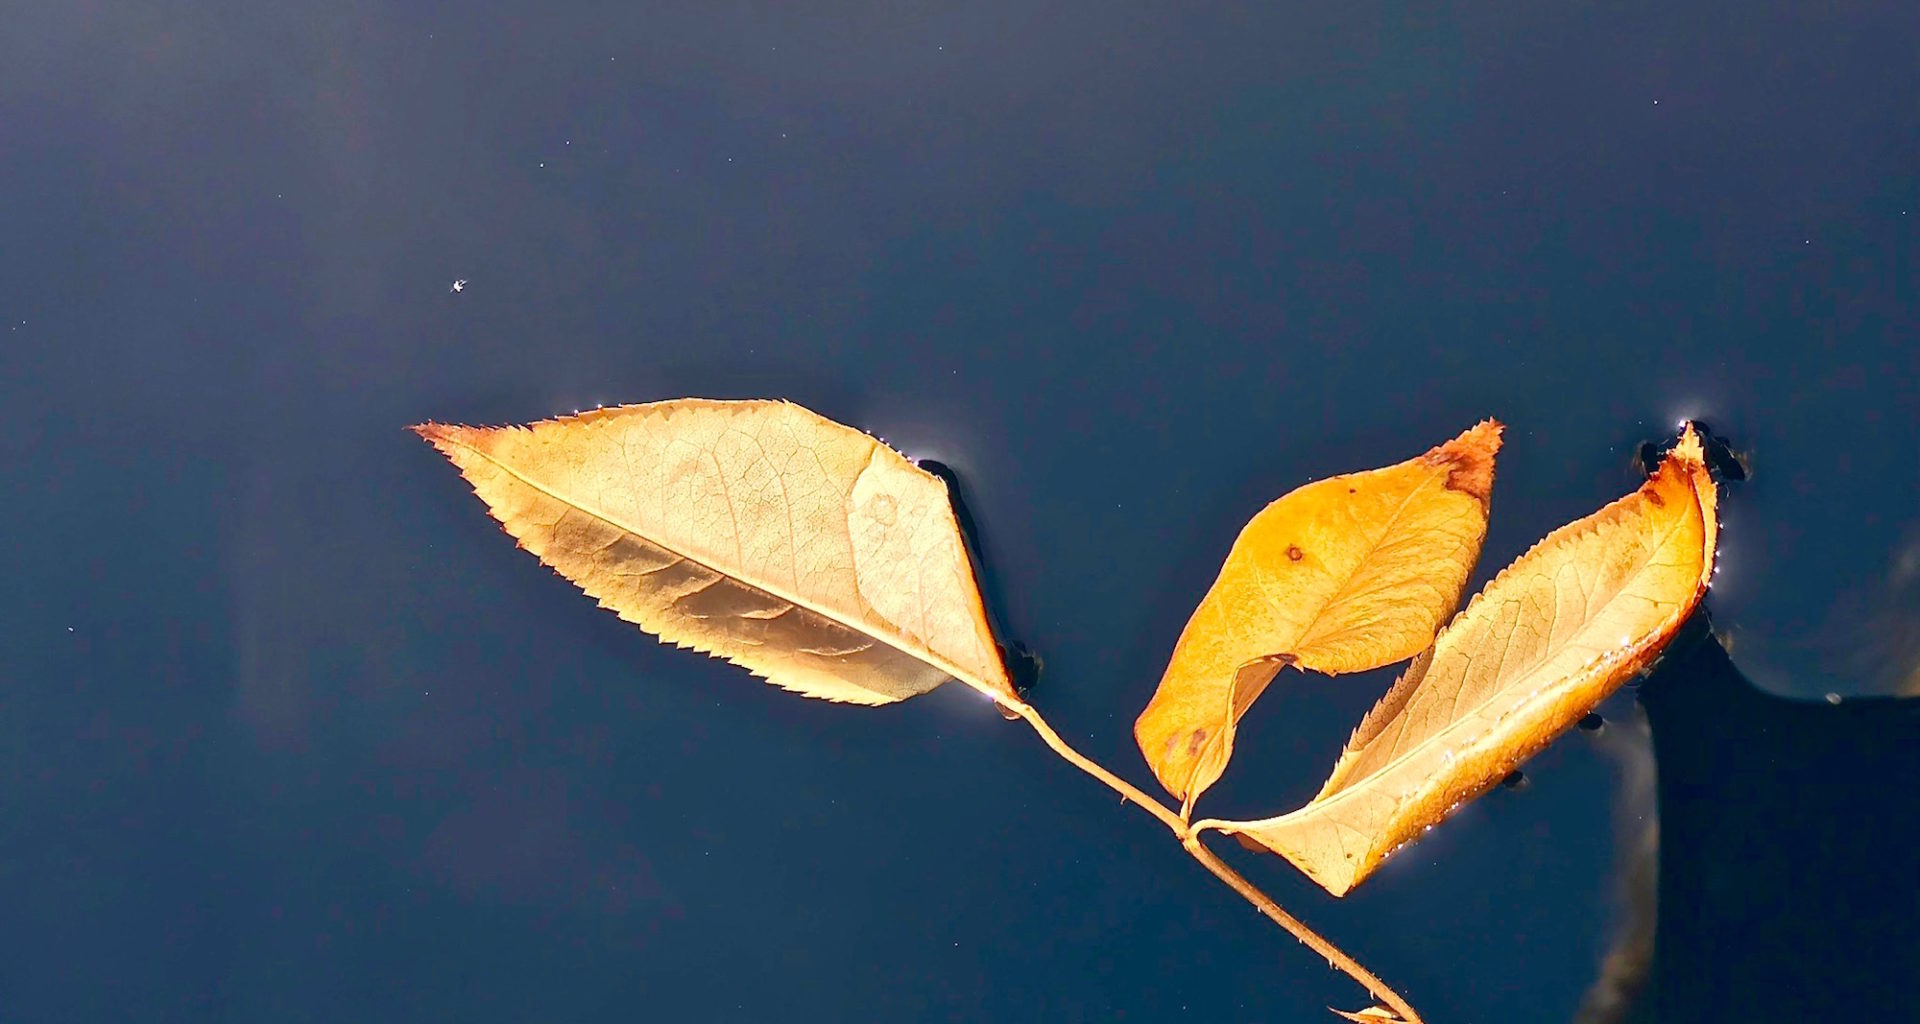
[801, 549]
[1547, 640]
[1342, 575]
[1372, 1015]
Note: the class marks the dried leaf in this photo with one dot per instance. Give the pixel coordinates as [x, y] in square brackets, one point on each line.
[1341, 575]
[1549, 638]
[803, 550]
[1371, 1015]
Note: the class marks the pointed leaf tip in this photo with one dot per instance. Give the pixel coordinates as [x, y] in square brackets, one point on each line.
[446, 436]
[1689, 448]
[1340, 575]
[1468, 459]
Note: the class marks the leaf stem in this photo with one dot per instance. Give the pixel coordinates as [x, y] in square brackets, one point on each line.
[1094, 768]
[1298, 929]
[1190, 839]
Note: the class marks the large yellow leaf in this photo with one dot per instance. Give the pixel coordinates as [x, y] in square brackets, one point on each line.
[1341, 575]
[1549, 638]
[801, 549]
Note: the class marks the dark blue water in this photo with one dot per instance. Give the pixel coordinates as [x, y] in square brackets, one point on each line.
[289, 731]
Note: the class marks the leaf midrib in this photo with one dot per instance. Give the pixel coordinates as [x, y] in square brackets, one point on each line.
[1340, 593]
[1322, 805]
[929, 656]
[1345, 586]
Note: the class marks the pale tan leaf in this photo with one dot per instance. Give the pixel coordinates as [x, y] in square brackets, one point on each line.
[1372, 1015]
[801, 549]
[1341, 575]
[1549, 638]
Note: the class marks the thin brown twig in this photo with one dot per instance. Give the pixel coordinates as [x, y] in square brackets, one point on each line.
[1098, 771]
[1299, 930]
[1190, 840]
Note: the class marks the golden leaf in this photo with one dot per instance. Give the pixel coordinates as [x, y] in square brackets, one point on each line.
[798, 548]
[1341, 575]
[1552, 635]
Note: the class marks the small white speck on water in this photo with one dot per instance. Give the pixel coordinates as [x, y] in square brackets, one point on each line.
[1833, 698]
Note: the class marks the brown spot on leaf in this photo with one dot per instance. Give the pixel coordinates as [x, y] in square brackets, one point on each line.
[1196, 740]
[1468, 460]
[1658, 501]
[1294, 552]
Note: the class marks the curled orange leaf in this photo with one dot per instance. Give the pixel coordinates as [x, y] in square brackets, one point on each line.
[759, 532]
[1341, 575]
[1553, 635]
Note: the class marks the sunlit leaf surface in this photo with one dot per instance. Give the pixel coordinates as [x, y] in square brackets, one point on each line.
[801, 549]
[1342, 575]
[1372, 1015]
[1549, 638]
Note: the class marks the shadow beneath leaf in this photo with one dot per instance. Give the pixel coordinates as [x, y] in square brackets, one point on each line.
[1022, 664]
[1788, 855]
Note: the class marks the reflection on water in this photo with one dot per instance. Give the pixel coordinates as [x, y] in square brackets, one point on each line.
[1627, 741]
[1889, 652]
[1759, 794]
[1866, 643]
[1805, 612]
[1786, 864]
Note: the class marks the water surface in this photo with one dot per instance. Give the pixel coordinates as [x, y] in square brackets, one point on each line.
[291, 732]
